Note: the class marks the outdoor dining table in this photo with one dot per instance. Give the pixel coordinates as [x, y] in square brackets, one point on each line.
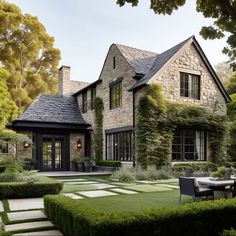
[216, 185]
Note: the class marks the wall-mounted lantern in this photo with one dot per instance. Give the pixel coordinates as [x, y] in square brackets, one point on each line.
[26, 144]
[79, 144]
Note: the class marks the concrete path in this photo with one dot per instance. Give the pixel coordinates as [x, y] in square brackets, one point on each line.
[25, 215]
[97, 193]
[25, 204]
[1, 207]
[41, 233]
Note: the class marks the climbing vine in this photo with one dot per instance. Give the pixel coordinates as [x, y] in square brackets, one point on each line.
[98, 129]
[158, 119]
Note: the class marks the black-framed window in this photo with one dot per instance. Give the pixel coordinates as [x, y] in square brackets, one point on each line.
[119, 146]
[190, 85]
[116, 94]
[84, 102]
[189, 145]
[93, 95]
[114, 63]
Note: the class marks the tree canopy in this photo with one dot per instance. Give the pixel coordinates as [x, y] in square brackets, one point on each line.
[222, 11]
[28, 54]
[8, 109]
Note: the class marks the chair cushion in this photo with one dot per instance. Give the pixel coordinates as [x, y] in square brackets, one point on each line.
[204, 192]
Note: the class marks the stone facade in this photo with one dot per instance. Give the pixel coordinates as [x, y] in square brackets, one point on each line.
[68, 87]
[121, 116]
[21, 151]
[189, 61]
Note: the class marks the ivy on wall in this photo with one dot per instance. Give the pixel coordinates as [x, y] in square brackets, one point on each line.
[98, 129]
[157, 120]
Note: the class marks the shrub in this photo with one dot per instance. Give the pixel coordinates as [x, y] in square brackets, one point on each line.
[108, 163]
[25, 190]
[206, 218]
[124, 174]
[206, 166]
[231, 232]
[140, 174]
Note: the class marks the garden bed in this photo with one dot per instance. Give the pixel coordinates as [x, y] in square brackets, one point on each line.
[200, 218]
[41, 187]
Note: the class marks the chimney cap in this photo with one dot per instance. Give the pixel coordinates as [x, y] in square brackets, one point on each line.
[63, 66]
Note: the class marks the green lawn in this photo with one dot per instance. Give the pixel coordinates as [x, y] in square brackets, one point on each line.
[136, 202]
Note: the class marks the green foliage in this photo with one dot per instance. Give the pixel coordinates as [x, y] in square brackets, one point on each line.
[124, 174]
[206, 167]
[28, 53]
[108, 163]
[29, 189]
[231, 85]
[8, 109]
[206, 218]
[223, 13]
[222, 173]
[78, 160]
[158, 119]
[231, 232]
[224, 72]
[13, 137]
[98, 128]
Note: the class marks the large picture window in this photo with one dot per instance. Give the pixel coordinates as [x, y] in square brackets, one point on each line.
[116, 95]
[189, 145]
[190, 85]
[119, 146]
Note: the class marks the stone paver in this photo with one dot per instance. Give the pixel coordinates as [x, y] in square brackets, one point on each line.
[1, 207]
[72, 195]
[71, 180]
[31, 225]
[25, 204]
[41, 233]
[97, 193]
[103, 186]
[25, 215]
[84, 182]
[121, 190]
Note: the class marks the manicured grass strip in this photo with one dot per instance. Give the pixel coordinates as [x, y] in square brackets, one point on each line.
[147, 188]
[5, 205]
[136, 202]
[70, 188]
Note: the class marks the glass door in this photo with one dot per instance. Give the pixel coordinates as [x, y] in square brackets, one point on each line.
[53, 153]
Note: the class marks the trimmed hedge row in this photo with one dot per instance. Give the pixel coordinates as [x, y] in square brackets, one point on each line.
[194, 166]
[25, 190]
[108, 163]
[206, 218]
[231, 232]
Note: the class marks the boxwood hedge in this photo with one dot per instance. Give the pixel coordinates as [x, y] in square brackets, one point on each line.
[206, 218]
[25, 190]
[108, 163]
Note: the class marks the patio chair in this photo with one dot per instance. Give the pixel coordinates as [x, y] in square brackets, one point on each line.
[189, 186]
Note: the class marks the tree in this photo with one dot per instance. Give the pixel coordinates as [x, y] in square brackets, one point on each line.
[222, 11]
[224, 72]
[27, 52]
[231, 85]
[8, 109]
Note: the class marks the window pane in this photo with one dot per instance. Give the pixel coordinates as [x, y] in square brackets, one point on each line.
[184, 85]
[116, 95]
[195, 93]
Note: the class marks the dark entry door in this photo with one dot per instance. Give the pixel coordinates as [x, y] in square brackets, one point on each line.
[54, 152]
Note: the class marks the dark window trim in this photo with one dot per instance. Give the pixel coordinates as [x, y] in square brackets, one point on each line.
[189, 92]
[116, 81]
[182, 131]
[84, 102]
[120, 129]
[114, 63]
[112, 86]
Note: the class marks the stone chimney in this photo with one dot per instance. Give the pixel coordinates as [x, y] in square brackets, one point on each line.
[64, 81]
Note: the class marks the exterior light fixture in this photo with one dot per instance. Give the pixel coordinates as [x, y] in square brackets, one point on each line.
[26, 144]
[79, 144]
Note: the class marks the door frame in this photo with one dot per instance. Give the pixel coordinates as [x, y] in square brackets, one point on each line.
[39, 150]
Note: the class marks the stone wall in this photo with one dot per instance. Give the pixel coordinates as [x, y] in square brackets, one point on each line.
[74, 151]
[190, 62]
[118, 117]
[21, 150]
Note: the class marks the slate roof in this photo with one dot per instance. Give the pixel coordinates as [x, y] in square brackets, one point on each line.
[159, 61]
[140, 60]
[53, 109]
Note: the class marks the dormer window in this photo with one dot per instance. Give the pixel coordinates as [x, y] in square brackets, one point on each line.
[190, 85]
[114, 63]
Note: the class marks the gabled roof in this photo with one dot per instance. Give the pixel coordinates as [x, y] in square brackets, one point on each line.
[139, 60]
[53, 109]
[159, 62]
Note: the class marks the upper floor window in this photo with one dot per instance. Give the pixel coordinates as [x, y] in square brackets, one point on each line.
[189, 85]
[114, 63]
[116, 94]
[93, 95]
[84, 102]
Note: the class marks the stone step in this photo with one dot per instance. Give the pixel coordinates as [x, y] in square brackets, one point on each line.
[41, 233]
[25, 215]
[25, 204]
[26, 226]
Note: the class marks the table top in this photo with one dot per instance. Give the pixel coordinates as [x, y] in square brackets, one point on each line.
[211, 182]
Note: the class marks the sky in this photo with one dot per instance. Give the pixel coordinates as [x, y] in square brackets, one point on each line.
[84, 30]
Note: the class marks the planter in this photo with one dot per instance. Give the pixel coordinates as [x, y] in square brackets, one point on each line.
[87, 166]
[74, 166]
[80, 167]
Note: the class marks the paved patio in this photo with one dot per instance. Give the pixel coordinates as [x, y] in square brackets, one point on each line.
[72, 173]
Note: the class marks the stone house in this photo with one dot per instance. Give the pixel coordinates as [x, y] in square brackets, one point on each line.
[62, 126]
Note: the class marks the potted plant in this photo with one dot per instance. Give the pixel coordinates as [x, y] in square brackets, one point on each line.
[74, 166]
[222, 173]
[80, 163]
[87, 164]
